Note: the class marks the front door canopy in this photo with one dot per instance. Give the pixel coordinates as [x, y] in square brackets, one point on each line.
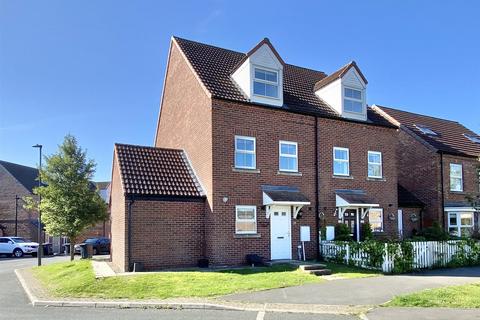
[353, 199]
[284, 196]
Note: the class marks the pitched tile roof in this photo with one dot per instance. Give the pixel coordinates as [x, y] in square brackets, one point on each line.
[150, 171]
[354, 196]
[338, 74]
[215, 65]
[284, 193]
[27, 176]
[408, 199]
[450, 135]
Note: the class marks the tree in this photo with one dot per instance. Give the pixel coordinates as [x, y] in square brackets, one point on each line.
[70, 202]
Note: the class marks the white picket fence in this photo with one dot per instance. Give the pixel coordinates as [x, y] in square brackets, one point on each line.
[426, 254]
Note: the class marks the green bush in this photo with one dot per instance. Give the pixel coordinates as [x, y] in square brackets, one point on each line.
[434, 233]
[342, 233]
[366, 232]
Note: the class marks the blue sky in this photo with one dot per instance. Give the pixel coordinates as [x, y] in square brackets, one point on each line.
[95, 68]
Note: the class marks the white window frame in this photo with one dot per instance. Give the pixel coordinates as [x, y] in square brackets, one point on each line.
[277, 83]
[456, 177]
[280, 155]
[246, 152]
[254, 208]
[381, 218]
[353, 99]
[459, 225]
[341, 160]
[425, 130]
[374, 163]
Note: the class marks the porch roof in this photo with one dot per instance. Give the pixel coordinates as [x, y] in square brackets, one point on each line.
[283, 195]
[353, 198]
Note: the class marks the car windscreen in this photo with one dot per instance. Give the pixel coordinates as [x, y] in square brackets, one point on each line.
[19, 240]
[93, 240]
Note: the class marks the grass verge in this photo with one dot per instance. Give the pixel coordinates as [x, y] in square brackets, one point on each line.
[76, 279]
[464, 296]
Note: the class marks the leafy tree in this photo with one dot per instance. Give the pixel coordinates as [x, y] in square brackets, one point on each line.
[70, 202]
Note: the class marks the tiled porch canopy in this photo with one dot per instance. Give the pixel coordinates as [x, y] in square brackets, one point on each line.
[284, 196]
[353, 199]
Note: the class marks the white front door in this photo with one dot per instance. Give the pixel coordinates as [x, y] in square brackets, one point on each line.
[281, 232]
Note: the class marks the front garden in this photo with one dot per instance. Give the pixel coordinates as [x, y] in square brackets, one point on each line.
[76, 279]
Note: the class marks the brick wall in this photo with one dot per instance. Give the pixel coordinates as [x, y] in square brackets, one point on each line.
[167, 234]
[268, 126]
[118, 220]
[185, 117]
[411, 221]
[360, 139]
[9, 187]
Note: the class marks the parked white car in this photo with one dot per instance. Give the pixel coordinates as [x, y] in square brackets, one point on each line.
[17, 246]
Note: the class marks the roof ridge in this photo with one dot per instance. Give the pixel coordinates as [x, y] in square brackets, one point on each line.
[306, 68]
[419, 114]
[17, 164]
[149, 147]
[209, 45]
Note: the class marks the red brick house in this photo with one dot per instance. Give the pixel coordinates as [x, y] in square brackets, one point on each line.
[250, 153]
[438, 161]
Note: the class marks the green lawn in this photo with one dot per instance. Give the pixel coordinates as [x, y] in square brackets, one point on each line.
[77, 279]
[464, 296]
[348, 272]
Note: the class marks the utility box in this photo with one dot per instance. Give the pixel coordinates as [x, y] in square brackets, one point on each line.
[330, 233]
[304, 233]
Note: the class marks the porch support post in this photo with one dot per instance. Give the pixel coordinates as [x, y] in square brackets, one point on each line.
[358, 225]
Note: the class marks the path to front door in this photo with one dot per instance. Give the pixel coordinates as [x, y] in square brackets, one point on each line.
[281, 232]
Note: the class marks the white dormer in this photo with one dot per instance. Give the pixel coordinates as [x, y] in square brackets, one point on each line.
[260, 75]
[345, 91]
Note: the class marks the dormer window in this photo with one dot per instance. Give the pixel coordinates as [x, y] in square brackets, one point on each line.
[426, 130]
[265, 83]
[472, 138]
[352, 101]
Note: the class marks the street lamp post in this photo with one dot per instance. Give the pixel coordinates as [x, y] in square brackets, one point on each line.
[40, 242]
[16, 214]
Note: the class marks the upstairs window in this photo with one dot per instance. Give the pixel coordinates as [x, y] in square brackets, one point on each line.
[265, 83]
[456, 177]
[288, 160]
[245, 219]
[426, 130]
[341, 161]
[244, 152]
[374, 164]
[352, 100]
[472, 138]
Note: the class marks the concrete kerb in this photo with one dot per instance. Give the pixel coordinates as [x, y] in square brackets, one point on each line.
[185, 304]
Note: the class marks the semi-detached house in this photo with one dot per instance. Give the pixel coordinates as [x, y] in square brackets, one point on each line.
[250, 152]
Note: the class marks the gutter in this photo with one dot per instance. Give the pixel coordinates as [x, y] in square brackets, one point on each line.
[443, 190]
[129, 224]
[317, 205]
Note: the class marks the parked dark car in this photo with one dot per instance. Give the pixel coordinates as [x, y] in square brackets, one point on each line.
[100, 245]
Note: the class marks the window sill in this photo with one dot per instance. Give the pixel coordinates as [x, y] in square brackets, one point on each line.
[376, 179]
[245, 170]
[342, 177]
[458, 192]
[246, 235]
[289, 173]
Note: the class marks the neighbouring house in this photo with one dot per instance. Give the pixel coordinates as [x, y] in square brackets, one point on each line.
[102, 228]
[252, 155]
[17, 181]
[438, 161]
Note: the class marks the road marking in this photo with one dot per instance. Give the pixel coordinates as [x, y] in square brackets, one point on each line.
[260, 315]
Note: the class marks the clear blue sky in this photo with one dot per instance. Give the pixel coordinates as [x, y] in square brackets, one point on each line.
[95, 68]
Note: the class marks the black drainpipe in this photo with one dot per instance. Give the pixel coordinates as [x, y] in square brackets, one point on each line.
[129, 223]
[443, 190]
[317, 205]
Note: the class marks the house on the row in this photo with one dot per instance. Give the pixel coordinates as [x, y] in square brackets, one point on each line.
[438, 161]
[250, 154]
[18, 181]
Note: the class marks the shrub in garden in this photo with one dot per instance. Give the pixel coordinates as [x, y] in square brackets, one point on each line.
[342, 233]
[435, 233]
[366, 232]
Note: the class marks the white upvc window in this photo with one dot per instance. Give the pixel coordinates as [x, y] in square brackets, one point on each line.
[375, 164]
[341, 161]
[460, 224]
[246, 219]
[245, 152]
[352, 100]
[456, 177]
[288, 159]
[375, 218]
[265, 83]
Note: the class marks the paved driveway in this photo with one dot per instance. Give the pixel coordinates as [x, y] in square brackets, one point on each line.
[366, 291]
